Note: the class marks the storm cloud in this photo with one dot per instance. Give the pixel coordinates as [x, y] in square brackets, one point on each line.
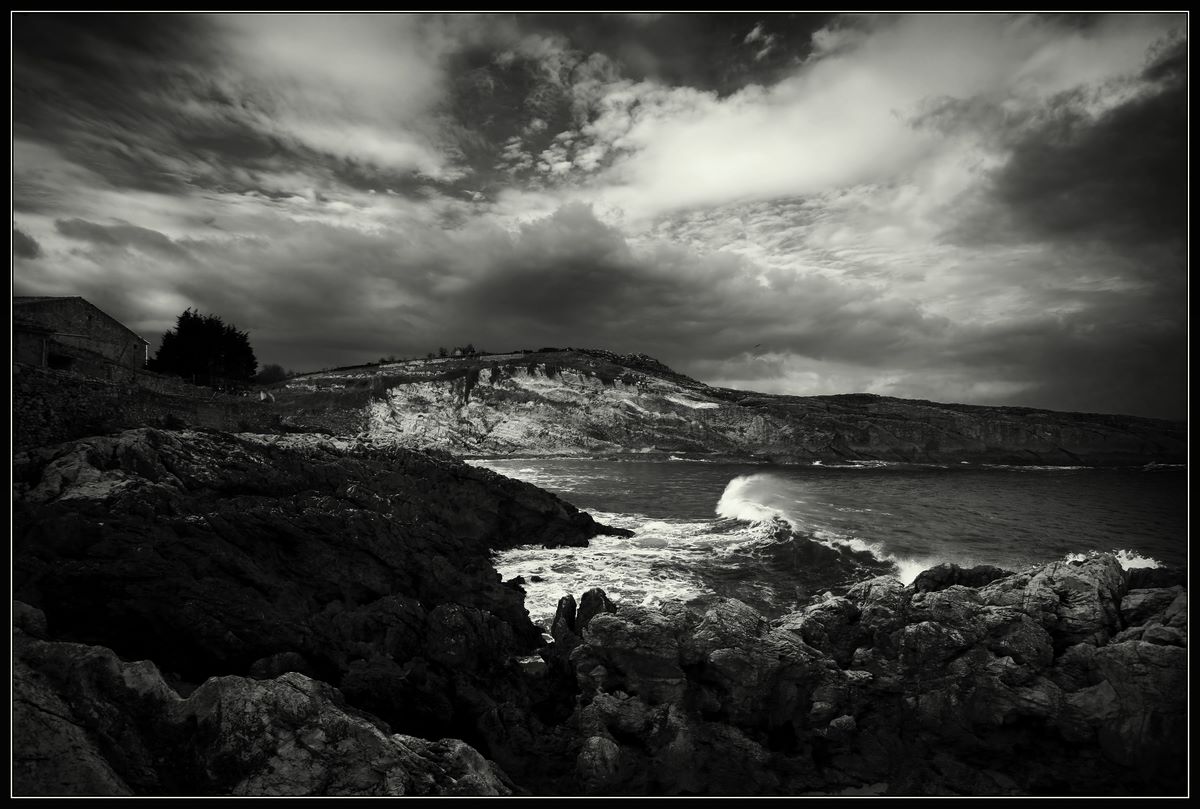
[986, 208]
[24, 245]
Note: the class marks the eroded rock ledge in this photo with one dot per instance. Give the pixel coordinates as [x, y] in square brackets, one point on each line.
[211, 554]
[1055, 680]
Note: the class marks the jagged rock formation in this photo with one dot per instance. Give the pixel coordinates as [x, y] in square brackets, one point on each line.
[565, 402]
[86, 723]
[300, 608]
[215, 555]
[1034, 683]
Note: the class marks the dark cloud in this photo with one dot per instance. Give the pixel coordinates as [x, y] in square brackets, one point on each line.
[176, 160]
[1120, 178]
[120, 236]
[24, 245]
[1123, 179]
[1121, 355]
[145, 102]
[570, 279]
[567, 279]
[314, 295]
[704, 50]
[503, 96]
[97, 86]
[1101, 204]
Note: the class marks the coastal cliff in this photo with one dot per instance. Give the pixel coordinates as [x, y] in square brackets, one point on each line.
[202, 613]
[576, 401]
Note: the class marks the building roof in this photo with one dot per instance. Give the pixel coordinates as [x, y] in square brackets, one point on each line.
[26, 300]
[19, 299]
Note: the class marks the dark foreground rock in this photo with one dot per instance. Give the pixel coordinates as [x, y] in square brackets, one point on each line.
[948, 574]
[208, 614]
[86, 723]
[1036, 683]
[211, 554]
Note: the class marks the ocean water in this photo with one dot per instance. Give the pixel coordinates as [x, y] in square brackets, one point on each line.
[775, 536]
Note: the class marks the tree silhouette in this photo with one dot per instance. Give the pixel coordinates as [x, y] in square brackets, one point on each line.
[206, 351]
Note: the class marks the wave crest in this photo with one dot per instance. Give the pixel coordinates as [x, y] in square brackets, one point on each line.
[759, 499]
[743, 499]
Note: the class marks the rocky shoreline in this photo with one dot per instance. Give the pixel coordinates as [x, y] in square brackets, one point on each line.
[199, 613]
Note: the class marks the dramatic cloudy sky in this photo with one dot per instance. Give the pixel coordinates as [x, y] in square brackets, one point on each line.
[987, 209]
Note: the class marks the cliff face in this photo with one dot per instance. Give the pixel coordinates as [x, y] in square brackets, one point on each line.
[594, 402]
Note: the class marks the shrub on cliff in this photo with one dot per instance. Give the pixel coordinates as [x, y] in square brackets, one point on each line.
[270, 374]
[205, 350]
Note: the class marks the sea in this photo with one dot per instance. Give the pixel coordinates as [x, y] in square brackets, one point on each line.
[778, 536]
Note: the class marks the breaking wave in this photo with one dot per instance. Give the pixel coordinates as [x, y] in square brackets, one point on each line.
[763, 498]
[776, 539]
[743, 500]
[1128, 559]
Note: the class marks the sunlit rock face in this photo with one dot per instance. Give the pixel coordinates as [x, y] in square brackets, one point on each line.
[569, 402]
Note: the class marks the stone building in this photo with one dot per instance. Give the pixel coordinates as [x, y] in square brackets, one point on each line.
[71, 334]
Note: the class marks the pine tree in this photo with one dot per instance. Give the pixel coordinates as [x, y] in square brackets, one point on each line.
[206, 351]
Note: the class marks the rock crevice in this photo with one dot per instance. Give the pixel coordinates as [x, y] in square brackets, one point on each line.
[203, 613]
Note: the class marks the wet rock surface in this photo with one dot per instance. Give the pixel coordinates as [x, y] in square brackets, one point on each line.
[214, 555]
[205, 614]
[948, 574]
[1032, 684]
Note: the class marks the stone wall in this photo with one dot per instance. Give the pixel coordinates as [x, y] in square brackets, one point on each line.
[29, 345]
[53, 406]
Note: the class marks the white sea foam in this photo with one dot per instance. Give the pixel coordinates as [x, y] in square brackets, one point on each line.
[1128, 559]
[1032, 467]
[675, 559]
[650, 567]
[1132, 559]
[740, 501]
[754, 499]
[539, 475]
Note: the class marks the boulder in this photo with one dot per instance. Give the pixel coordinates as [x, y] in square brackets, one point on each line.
[831, 625]
[635, 650]
[29, 619]
[1151, 578]
[1137, 710]
[270, 667]
[215, 554]
[948, 575]
[1138, 606]
[591, 604]
[1176, 614]
[1078, 601]
[293, 736]
[563, 625]
[1023, 673]
[86, 723]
